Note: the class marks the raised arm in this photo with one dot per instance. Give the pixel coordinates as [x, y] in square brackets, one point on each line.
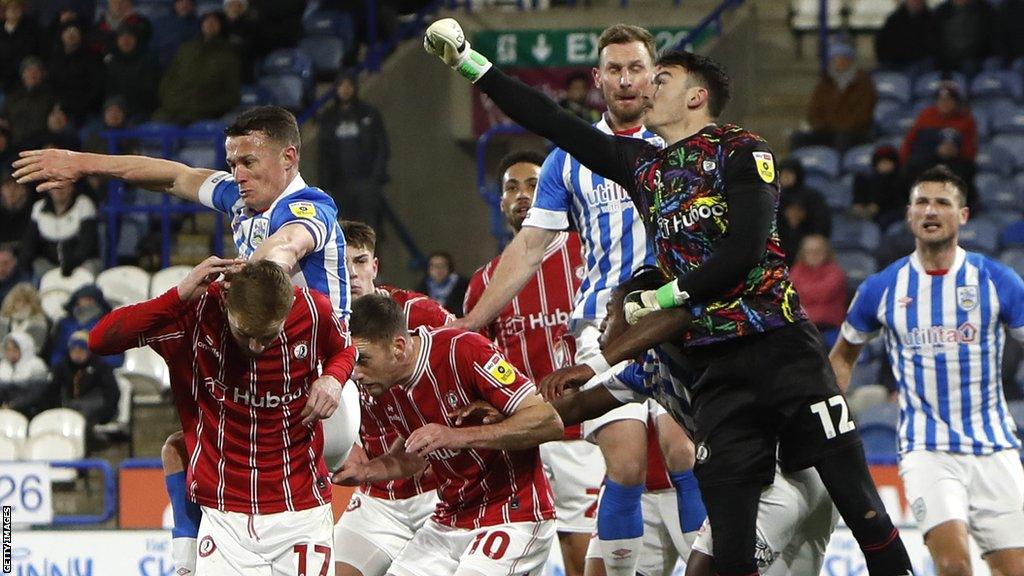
[54, 168]
[604, 154]
[519, 262]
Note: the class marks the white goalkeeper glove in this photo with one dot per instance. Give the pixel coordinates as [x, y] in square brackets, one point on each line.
[640, 303]
[446, 40]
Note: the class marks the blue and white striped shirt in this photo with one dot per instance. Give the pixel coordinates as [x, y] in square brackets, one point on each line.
[615, 243]
[944, 337]
[323, 269]
[655, 376]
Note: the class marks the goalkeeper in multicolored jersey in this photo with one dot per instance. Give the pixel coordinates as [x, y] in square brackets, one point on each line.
[709, 201]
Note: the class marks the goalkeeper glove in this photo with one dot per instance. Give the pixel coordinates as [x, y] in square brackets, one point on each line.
[640, 303]
[446, 40]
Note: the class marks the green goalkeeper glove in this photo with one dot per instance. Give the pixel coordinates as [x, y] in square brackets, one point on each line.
[446, 40]
[640, 303]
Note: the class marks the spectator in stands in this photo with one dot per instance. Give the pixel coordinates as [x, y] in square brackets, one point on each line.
[842, 104]
[882, 194]
[114, 117]
[908, 39]
[1009, 42]
[63, 232]
[51, 14]
[821, 283]
[240, 29]
[803, 210]
[19, 39]
[27, 108]
[204, 80]
[173, 30]
[74, 74]
[965, 32]
[443, 284]
[943, 133]
[132, 73]
[119, 14]
[353, 153]
[84, 309]
[24, 377]
[15, 209]
[577, 89]
[22, 311]
[86, 383]
[59, 133]
[12, 272]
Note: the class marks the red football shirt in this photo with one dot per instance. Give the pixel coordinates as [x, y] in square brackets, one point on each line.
[477, 487]
[248, 449]
[375, 431]
[533, 330]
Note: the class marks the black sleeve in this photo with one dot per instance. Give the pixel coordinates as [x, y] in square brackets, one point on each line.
[610, 156]
[751, 201]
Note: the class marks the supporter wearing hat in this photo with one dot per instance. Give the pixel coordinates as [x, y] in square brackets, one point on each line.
[842, 104]
[945, 133]
[86, 382]
[28, 107]
[882, 193]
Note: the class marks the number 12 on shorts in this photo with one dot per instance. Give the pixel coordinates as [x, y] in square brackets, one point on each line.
[825, 414]
[302, 549]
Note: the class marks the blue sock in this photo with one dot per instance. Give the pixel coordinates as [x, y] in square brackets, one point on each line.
[186, 513]
[619, 515]
[691, 507]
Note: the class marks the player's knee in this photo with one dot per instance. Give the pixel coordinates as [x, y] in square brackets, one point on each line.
[699, 564]
[628, 471]
[172, 453]
[953, 565]
[679, 456]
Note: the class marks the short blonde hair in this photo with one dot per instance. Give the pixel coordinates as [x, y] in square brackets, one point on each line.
[260, 294]
[21, 295]
[624, 34]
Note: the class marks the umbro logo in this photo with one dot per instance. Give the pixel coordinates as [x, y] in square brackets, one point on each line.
[905, 301]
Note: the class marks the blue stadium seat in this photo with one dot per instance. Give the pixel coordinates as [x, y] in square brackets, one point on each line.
[1016, 408]
[1014, 145]
[854, 234]
[151, 139]
[895, 122]
[289, 63]
[864, 373]
[996, 192]
[199, 157]
[326, 52]
[838, 193]
[330, 24]
[980, 235]
[880, 442]
[996, 84]
[994, 157]
[1014, 258]
[287, 91]
[1006, 118]
[1012, 236]
[820, 160]
[154, 9]
[928, 82]
[254, 95]
[892, 86]
[983, 122]
[885, 415]
[857, 264]
[857, 160]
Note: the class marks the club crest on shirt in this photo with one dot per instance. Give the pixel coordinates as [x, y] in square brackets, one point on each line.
[452, 399]
[500, 370]
[259, 231]
[765, 166]
[300, 350]
[709, 165]
[967, 297]
[303, 209]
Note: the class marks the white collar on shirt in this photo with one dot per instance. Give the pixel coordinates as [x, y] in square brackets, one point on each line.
[958, 261]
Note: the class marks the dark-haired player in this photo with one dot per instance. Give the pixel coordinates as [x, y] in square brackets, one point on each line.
[709, 201]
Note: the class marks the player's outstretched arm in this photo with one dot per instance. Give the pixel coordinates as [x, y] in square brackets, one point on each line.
[843, 356]
[395, 464]
[286, 247]
[51, 169]
[533, 423]
[585, 405]
[126, 327]
[604, 154]
[519, 262]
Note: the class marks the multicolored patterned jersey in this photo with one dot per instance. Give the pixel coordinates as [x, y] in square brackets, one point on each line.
[681, 192]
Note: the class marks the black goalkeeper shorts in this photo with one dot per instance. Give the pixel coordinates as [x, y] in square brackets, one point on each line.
[759, 393]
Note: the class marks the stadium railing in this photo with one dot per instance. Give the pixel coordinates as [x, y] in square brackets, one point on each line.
[109, 492]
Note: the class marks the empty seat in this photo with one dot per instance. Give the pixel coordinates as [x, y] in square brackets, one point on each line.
[1012, 236]
[49, 447]
[854, 233]
[996, 192]
[121, 424]
[857, 264]
[330, 24]
[10, 449]
[1016, 408]
[869, 14]
[838, 193]
[289, 62]
[880, 442]
[147, 372]
[164, 280]
[996, 84]
[980, 235]
[893, 86]
[124, 285]
[804, 14]
[55, 289]
[928, 83]
[1014, 258]
[857, 160]
[994, 158]
[13, 424]
[325, 52]
[887, 414]
[255, 95]
[1014, 146]
[1005, 118]
[818, 160]
[63, 422]
[157, 138]
[864, 374]
[286, 91]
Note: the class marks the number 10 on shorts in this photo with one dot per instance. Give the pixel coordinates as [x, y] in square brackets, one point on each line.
[822, 409]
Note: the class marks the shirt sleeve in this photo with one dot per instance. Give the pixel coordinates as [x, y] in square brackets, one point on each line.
[317, 215]
[552, 201]
[627, 385]
[493, 377]
[219, 191]
[862, 324]
[336, 344]
[1010, 291]
[429, 313]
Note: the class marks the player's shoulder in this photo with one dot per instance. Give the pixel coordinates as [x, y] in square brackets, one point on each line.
[306, 202]
[884, 278]
[320, 302]
[456, 339]
[735, 137]
[987, 266]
